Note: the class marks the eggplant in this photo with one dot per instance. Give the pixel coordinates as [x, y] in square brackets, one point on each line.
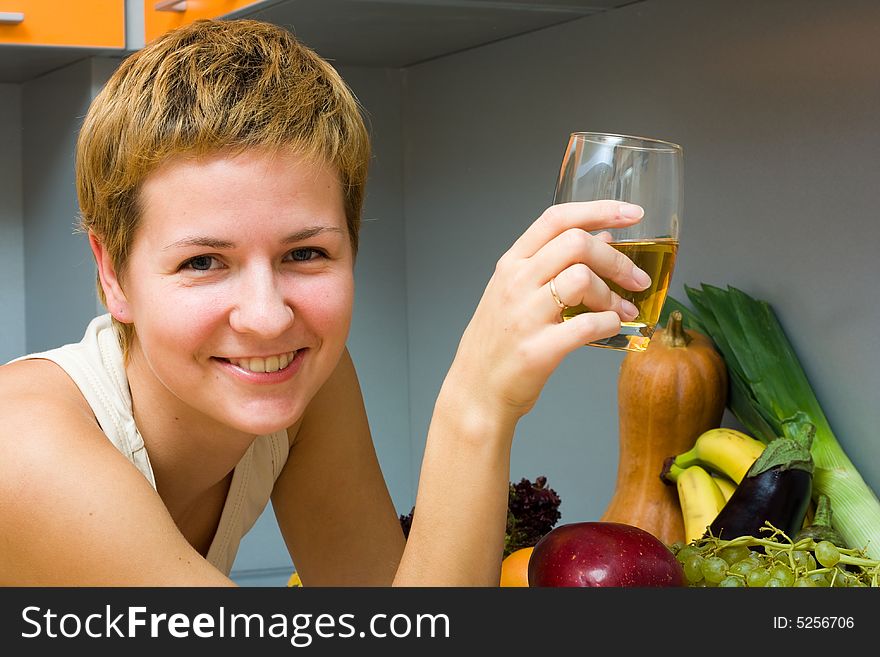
[778, 496]
[776, 489]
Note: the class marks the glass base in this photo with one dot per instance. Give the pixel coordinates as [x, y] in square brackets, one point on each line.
[633, 336]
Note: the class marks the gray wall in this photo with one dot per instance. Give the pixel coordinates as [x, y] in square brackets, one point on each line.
[12, 324]
[59, 268]
[379, 333]
[776, 106]
[47, 297]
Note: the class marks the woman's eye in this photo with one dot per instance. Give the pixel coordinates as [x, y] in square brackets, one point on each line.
[199, 263]
[304, 254]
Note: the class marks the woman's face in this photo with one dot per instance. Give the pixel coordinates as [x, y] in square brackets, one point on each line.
[240, 286]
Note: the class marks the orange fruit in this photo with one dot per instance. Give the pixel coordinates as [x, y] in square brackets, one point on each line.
[515, 567]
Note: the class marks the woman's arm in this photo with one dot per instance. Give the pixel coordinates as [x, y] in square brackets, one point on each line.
[513, 343]
[457, 534]
[73, 510]
[331, 501]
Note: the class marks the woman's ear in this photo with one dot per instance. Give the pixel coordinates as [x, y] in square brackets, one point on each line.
[117, 303]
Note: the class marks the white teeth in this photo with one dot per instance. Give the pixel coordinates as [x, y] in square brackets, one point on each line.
[270, 364]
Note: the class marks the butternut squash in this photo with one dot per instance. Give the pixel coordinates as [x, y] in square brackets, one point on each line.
[667, 396]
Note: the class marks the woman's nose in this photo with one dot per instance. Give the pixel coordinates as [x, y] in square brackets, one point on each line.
[261, 308]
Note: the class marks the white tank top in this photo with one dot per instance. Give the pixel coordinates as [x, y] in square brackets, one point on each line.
[95, 364]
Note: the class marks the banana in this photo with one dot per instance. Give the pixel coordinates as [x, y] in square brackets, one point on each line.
[700, 498]
[726, 451]
[726, 485]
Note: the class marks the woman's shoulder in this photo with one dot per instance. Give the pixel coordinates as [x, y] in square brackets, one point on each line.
[44, 419]
[26, 385]
[45, 426]
[42, 414]
[41, 408]
[60, 525]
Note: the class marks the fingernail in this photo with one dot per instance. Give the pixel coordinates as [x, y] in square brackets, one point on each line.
[629, 309]
[641, 277]
[631, 211]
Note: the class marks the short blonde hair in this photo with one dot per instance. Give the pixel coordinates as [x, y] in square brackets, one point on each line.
[210, 86]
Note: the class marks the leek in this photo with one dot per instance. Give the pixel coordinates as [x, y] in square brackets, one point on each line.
[771, 396]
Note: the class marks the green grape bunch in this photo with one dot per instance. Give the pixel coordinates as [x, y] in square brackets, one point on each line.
[775, 561]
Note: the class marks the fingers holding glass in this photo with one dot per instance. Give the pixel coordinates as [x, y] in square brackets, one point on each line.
[586, 216]
[646, 293]
[578, 289]
[576, 246]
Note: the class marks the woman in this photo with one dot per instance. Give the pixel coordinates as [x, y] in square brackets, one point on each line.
[220, 174]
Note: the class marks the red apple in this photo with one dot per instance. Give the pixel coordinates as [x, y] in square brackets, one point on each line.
[603, 554]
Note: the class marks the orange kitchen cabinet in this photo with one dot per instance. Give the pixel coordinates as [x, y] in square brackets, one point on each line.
[78, 23]
[163, 15]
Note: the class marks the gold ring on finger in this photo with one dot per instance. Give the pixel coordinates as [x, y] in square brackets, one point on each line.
[555, 294]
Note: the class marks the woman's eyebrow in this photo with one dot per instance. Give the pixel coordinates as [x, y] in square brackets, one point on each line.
[310, 232]
[195, 240]
[215, 243]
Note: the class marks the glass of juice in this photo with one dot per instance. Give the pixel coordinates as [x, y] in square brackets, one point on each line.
[638, 170]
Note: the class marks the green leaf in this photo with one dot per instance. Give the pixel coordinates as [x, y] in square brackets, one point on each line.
[748, 411]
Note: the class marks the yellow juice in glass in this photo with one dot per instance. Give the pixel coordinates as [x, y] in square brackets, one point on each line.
[657, 258]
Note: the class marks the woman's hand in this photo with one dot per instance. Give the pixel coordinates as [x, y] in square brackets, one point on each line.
[512, 344]
[516, 337]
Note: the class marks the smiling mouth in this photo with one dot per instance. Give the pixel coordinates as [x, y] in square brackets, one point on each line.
[262, 365]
